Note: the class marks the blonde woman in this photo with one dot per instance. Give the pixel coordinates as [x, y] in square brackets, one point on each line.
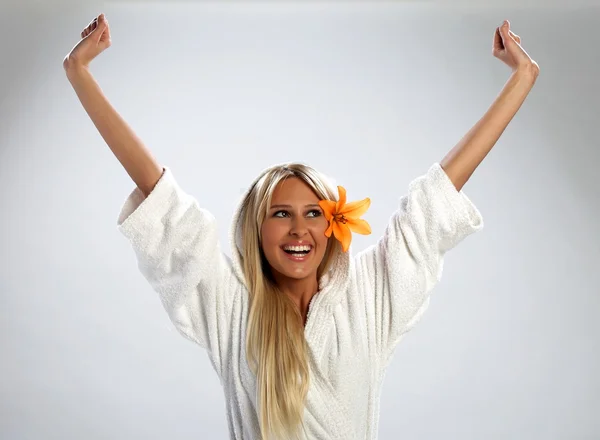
[299, 332]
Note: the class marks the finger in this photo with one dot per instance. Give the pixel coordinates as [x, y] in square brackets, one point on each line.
[504, 29]
[92, 24]
[90, 27]
[506, 34]
[498, 43]
[97, 23]
[86, 31]
[102, 24]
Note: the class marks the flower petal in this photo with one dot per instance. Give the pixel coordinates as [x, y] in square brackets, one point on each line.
[329, 229]
[359, 226]
[356, 209]
[342, 200]
[343, 234]
[328, 207]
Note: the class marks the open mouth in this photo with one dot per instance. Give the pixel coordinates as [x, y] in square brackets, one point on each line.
[297, 253]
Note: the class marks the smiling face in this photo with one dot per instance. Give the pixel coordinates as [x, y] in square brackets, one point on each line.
[293, 232]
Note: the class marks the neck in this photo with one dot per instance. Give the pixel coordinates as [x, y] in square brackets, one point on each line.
[300, 291]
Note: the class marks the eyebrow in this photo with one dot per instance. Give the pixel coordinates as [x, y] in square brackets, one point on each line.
[312, 205]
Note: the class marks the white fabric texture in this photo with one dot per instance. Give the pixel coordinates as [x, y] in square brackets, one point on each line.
[365, 304]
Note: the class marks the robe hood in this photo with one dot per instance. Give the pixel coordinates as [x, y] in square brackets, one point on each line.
[334, 281]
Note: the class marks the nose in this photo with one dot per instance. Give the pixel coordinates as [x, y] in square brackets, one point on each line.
[298, 227]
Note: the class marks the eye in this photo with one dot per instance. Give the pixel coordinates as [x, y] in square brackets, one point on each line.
[312, 213]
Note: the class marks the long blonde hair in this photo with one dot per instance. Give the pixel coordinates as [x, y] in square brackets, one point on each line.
[276, 349]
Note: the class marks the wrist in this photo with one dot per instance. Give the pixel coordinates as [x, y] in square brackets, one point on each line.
[528, 72]
[74, 69]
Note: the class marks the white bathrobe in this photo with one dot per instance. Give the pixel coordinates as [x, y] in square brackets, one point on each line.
[366, 302]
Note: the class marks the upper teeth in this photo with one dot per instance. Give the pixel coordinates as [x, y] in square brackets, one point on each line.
[297, 248]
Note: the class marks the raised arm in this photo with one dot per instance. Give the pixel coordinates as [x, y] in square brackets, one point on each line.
[174, 239]
[402, 269]
[137, 160]
[460, 162]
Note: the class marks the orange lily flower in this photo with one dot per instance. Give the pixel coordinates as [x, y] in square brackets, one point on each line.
[344, 218]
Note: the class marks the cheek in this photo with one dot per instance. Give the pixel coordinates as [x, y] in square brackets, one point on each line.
[271, 236]
[318, 232]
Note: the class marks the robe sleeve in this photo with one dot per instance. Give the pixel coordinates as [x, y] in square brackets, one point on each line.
[177, 250]
[401, 269]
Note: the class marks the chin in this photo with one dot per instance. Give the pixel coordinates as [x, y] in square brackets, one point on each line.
[296, 273]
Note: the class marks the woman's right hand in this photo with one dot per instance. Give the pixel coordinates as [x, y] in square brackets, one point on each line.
[95, 38]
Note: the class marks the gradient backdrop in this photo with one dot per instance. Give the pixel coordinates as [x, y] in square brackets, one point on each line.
[372, 93]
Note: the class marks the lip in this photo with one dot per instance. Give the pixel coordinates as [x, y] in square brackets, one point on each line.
[298, 259]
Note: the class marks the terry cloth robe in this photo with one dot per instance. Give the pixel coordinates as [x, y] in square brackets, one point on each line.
[365, 304]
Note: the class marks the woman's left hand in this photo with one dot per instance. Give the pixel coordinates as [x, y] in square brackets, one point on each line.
[507, 48]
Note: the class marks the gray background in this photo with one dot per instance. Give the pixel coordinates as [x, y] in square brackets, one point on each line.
[372, 93]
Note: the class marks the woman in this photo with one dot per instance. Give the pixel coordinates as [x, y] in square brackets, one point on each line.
[299, 332]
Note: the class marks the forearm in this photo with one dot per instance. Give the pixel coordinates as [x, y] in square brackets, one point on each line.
[137, 160]
[465, 157]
